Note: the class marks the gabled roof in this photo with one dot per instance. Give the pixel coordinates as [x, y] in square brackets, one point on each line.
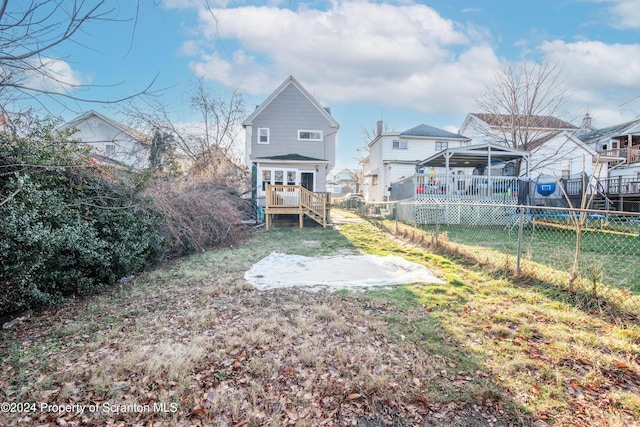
[292, 158]
[582, 145]
[621, 129]
[431, 132]
[540, 141]
[291, 81]
[141, 137]
[538, 122]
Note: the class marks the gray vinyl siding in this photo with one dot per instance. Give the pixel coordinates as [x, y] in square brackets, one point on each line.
[289, 112]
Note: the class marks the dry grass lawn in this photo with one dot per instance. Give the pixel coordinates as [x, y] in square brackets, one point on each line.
[193, 344]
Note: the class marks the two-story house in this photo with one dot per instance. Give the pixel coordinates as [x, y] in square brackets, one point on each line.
[622, 142]
[551, 142]
[619, 146]
[111, 141]
[394, 155]
[501, 129]
[290, 140]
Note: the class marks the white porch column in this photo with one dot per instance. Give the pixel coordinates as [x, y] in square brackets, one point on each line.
[489, 184]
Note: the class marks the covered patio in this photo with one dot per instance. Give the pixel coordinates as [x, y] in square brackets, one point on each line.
[499, 182]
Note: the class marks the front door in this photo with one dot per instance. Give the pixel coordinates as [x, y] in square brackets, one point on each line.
[306, 180]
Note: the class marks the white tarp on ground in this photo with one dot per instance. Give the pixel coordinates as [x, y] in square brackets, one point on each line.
[335, 272]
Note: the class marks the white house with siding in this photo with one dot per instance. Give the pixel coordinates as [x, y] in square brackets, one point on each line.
[290, 140]
[394, 155]
[563, 155]
[112, 142]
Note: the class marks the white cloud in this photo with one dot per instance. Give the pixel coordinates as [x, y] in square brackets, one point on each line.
[54, 75]
[625, 13]
[397, 55]
[597, 65]
[602, 76]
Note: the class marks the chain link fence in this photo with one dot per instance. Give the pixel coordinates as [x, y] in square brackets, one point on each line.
[595, 255]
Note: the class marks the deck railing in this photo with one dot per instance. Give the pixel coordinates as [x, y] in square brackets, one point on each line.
[298, 200]
[278, 196]
[619, 186]
[470, 187]
[630, 154]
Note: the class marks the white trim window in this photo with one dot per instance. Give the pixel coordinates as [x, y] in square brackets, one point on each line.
[309, 135]
[263, 135]
[399, 145]
[110, 149]
[441, 145]
[277, 176]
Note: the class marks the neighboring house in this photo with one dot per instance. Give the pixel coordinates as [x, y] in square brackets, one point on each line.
[290, 140]
[112, 141]
[394, 155]
[345, 181]
[563, 155]
[621, 143]
[497, 128]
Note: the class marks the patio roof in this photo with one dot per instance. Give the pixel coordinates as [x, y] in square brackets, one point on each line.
[473, 155]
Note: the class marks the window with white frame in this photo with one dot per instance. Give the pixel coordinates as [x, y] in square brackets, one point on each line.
[110, 149]
[465, 143]
[263, 135]
[277, 176]
[291, 177]
[309, 135]
[400, 145]
[374, 180]
[441, 145]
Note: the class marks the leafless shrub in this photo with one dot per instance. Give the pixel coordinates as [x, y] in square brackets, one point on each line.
[198, 215]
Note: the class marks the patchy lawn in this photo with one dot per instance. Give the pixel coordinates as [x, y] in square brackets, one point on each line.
[193, 344]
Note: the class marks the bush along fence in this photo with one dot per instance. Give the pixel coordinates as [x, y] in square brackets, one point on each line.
[594, 255]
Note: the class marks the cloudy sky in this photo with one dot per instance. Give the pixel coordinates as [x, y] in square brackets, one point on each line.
[404, 62]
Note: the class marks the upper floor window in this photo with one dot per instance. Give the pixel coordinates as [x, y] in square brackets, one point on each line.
[402, 145]
[263, 135]
[110, 149]
[310, 135]
[441, 145]
[465, 143]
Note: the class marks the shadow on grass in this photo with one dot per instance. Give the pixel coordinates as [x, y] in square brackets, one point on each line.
[460, 378]
[592, 297]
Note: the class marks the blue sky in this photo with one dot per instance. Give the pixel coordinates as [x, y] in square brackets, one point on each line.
[404, 62]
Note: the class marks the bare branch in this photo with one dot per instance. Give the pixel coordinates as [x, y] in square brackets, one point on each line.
[519, 99]
[30, 32]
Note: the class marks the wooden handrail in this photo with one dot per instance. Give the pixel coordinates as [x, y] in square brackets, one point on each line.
[313, 202]
[297, 197]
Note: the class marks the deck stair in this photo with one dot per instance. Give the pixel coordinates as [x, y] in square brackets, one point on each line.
[296, 200]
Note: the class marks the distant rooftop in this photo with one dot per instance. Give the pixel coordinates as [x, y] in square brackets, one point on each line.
[611, 131]
[543, 122]
[430, 131]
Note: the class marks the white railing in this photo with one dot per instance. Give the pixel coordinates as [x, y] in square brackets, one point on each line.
[466, 187]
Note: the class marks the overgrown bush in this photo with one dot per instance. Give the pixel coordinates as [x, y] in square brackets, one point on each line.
[68, 227]
[199, 214]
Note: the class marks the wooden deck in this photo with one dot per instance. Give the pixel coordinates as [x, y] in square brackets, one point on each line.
[296, 200]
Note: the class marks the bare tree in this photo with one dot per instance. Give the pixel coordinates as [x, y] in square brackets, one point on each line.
[211, 143]
[32, 33]
[522, 104]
